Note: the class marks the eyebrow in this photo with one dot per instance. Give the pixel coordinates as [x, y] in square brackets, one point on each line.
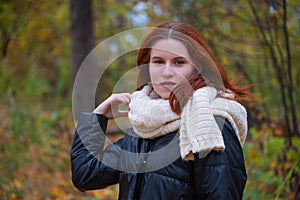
[176, 58]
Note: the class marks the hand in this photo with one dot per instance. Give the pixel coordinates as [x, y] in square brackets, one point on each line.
[110, 107]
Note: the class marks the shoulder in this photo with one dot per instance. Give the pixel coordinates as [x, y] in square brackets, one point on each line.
[222, 174]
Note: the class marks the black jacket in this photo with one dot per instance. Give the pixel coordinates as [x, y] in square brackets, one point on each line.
[152, 168]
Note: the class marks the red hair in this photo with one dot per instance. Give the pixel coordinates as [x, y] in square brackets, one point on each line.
[208, 70]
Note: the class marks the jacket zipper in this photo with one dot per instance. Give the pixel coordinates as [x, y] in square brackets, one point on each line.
[140, 176]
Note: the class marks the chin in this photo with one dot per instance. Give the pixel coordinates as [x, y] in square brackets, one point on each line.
[164, 96]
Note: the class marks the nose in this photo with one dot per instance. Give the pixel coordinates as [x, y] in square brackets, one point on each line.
[167, 70]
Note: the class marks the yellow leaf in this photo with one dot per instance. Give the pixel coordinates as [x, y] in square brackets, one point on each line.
[55, 191]
[273, 165]
[253, 154]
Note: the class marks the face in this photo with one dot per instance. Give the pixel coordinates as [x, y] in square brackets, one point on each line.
[169, 66]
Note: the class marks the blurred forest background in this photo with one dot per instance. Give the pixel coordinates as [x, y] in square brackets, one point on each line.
[43, 43]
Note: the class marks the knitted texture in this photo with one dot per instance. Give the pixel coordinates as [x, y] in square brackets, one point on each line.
[235, 113]
[152, 117]
[198, 130]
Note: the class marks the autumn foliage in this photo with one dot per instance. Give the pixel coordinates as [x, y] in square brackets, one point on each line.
[36, 125]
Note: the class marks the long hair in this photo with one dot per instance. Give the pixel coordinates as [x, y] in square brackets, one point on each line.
[208, 70]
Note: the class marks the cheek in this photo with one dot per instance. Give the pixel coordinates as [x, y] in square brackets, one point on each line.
[154, 72]
[187, 73]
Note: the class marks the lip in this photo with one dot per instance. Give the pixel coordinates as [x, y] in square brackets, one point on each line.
[167, 84]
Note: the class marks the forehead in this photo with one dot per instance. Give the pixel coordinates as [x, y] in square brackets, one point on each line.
[169, 47]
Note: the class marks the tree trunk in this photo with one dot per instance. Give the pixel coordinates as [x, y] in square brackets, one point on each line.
[82, 32]
[82, 36]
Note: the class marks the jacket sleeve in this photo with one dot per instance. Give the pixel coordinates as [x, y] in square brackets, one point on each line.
[93, 167]
[221, 174]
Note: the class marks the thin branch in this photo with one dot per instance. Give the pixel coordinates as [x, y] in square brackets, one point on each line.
[275, 65]
[289, 64]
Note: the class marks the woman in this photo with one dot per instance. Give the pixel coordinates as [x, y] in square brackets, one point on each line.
[187, 127]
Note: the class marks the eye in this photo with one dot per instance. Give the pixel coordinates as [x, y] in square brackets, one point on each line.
[158, 61]
[180, 62]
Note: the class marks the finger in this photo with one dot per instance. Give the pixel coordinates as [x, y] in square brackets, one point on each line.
[122, 98]
[128, 97]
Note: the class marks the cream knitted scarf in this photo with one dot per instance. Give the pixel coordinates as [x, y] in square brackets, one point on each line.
[152, 117]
